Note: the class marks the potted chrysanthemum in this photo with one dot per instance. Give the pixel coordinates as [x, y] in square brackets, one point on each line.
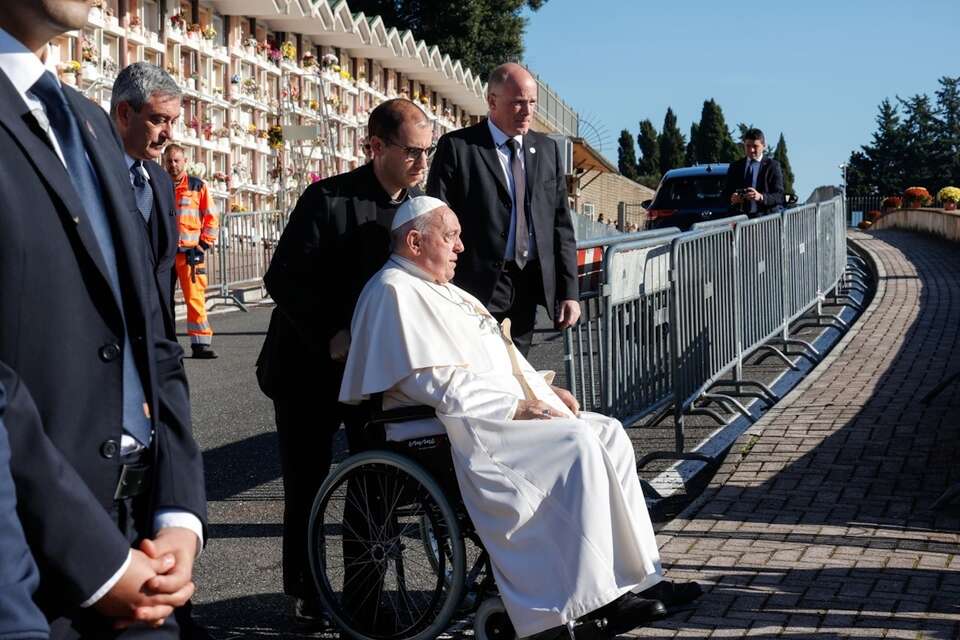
[916, 197]
[949, 197]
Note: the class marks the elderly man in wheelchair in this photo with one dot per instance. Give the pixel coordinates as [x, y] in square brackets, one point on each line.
[508, 501]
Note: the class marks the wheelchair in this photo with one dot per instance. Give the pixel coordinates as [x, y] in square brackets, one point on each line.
[393, 552]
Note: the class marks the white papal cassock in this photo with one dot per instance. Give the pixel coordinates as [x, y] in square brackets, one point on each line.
[556, 502]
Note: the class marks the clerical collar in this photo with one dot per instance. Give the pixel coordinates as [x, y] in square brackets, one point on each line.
[411, 267]
[380, 194]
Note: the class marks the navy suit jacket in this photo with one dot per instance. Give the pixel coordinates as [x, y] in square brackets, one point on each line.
[19, 616]
[60, 327]
[769, 183]
[466, 174]
[163, 237]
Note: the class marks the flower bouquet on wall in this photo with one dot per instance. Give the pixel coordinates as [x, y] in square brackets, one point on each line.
[949, 197]
[891, 202]
[69, 72]
[916, 197]
[177, 23]
[209, 33]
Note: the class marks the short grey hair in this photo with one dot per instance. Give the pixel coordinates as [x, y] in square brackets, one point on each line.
[138, 82]
[420, 224]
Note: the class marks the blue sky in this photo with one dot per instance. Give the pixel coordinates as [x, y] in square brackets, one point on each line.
[814, 70]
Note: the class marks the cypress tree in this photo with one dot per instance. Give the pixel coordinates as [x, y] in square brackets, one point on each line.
[649, 162]
[671, 143]
[780, 155]
[626, 156]
[690, 153]
[714, 142]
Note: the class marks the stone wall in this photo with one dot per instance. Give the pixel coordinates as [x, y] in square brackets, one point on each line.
[938, 222]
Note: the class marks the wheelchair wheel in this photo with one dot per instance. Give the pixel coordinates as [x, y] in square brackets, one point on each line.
[492, 622]
[375, 572]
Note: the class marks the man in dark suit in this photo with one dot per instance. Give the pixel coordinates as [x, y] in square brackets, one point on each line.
[755, 183]
[144, 105]
[506, 184]
[336, 239]
[114, 516]
[19, 616]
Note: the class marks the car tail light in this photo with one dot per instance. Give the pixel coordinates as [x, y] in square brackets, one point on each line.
[653, 214]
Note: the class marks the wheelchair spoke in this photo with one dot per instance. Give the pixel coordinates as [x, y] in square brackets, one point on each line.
[383, 554]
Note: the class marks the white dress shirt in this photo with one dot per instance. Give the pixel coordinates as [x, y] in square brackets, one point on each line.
[23, 68]
[505, 155]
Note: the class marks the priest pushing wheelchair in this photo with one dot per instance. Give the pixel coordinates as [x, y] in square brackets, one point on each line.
[476, 486]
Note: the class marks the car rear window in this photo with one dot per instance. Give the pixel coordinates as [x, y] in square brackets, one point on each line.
[691, 192]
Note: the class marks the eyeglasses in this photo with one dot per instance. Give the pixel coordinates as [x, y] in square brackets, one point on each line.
[413, 153]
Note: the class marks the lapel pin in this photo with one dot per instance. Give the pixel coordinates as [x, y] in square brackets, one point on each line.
[90, 129]
[532, 150]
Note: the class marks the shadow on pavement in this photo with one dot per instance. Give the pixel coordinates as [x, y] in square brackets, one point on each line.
[828, 602]
[240, 466]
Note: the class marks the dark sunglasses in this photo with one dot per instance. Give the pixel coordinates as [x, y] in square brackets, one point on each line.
[412, 153]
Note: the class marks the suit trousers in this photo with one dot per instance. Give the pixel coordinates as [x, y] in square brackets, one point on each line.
[308, 418]
[133, 516]
[516, 295]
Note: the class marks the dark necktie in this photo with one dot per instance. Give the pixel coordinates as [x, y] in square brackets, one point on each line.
[67, 131]
[142, 190]
[522, 235]
[751, 178]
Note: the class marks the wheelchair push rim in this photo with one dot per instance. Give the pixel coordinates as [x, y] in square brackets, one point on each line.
[375, 572]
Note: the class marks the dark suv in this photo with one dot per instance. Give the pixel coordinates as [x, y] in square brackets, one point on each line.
[689, 195]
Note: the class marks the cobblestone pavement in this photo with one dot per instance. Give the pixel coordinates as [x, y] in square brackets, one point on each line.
[819, 523]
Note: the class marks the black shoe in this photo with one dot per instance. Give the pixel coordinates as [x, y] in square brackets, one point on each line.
[673, 594]
[627, 612]
[309, 611]
[203, 352]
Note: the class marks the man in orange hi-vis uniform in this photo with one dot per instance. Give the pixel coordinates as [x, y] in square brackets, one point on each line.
[197, 225]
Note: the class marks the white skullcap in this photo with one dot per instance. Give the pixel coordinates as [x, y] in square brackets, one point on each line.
[414, 208]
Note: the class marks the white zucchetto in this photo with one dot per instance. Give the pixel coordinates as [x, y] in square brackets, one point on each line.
[414, 208]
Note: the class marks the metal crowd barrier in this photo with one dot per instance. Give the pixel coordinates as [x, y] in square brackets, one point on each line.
[669, 317]
[244, 247]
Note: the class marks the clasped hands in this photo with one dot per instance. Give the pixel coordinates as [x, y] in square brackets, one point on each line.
[540, 410]
[158, 579]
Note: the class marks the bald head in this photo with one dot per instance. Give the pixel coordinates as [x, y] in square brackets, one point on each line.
[511, 98]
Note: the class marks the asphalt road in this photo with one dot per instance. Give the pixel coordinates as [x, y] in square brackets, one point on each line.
[239, 573]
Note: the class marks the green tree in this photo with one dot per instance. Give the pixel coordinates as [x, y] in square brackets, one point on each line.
[881, 162]
[671, 143]
[948, 129]
[921, 166]
[649, 162]
[780, 155]
[690, 153]
[860, 176]
[714, 142]
[481, 33]
[627, 156]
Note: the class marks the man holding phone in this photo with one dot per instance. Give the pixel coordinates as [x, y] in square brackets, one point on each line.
[755, 182]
